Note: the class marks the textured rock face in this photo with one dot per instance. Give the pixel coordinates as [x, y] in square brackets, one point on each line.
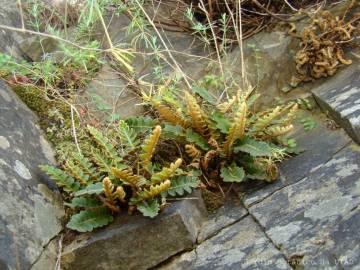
[136, 242]
[316, 219]
[240, 246]
[340, 96]
[30, 211]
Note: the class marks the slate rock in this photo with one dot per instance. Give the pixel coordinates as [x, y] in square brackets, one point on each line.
[318, 145]
[136, 242]
[30, 205]
[240, 246]
[340, 97]
[231, 212]
[315, 219]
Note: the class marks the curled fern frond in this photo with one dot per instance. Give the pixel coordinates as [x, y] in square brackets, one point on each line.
[127, 176]
[168, 114]
[120, 193]
[155, 190]
[166, 173]
[279, 130]
[264, 121]
[198, 119]
[237, 129]
[149, 146]
[108, 187]
[192, 151]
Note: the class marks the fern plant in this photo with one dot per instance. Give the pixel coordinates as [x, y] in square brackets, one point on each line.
[227, 141]
[110, 176]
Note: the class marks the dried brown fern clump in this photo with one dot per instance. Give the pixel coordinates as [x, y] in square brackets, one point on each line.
[323, 43]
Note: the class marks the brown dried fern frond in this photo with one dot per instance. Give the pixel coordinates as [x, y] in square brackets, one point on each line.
[192, 151]
[155, 190]
[291, 114]
[149, 146]
[226, 106]
[166, 173]
[120, 193]
[237, 129]
[198, 119]
[168, 114]
[127, 176]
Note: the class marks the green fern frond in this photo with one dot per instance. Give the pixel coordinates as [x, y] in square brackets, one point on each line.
[127, 135]
[166, 173]
[77, 172]
[141, 124]
[87, 220]
[149, 146]
[104, 164]
[105, 145]
[86, 166]
[264, 121]
[61, 178]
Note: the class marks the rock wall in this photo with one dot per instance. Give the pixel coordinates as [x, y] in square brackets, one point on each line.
[30, 205]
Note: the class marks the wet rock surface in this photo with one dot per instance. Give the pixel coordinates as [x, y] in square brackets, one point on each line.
[30, 205]
[136, 242]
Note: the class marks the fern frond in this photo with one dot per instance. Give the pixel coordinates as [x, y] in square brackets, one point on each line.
[279, 130]
[226, 106]
[166, 173]
[291, 114]
[120, 193]
[86, 166]
[127, 176]
[105, 145]
[237, 129]
[198, 120]
[108, 187]
[77, 172]
[61, 178]
[127, 135]
[264, 121]
[149, 146]
[155, 190]
[168, 114]
[192, 151]
[104, 164]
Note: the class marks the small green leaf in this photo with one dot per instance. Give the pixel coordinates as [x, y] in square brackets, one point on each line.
[141, 124]
[254, 148]
[83, 202]
[87, 220]
[96, 188]
[232, 173]
[182, 184]
[204, 93]
[196, 138]
[222, 123]
[172, 132]
[308, 123]
[149, 208]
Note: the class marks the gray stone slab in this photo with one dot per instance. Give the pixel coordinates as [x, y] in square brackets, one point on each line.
[318, 145]
[340, 97]
[30, 211]
[136, 242]
[315, 220]
[231, 212]
[240, 246]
